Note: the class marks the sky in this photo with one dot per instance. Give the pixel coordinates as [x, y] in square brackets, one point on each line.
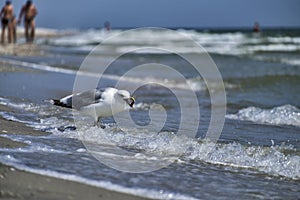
[68, 14]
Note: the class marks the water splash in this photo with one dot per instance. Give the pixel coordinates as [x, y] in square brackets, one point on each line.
[282, 115]
[282, 160]
[273, 160]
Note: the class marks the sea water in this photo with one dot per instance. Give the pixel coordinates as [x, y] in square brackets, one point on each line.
[256, 156]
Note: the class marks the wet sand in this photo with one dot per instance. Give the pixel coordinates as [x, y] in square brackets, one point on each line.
[21, 50]
[18, 185]
[29, 49]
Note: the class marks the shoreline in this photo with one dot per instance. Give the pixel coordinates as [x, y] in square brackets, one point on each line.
[29, 49]
[19, 184]
[19, 49]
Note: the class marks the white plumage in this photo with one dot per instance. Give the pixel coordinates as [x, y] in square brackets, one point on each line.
[98, 103]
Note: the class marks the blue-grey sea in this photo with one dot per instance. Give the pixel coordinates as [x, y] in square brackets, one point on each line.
[256, 156]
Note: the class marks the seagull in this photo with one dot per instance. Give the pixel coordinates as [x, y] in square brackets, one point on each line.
[98, 103]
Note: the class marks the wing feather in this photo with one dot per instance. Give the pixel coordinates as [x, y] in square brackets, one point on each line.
[81, 99]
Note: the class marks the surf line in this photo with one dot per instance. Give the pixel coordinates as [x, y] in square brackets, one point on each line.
[48, 68]
[36, 66]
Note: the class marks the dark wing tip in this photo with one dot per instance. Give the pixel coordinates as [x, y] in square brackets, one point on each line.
[58, 103]
[54, 102]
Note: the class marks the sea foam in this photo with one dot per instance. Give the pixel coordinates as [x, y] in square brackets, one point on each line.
[282, 115]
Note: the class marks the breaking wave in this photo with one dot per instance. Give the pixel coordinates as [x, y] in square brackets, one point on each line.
[280, 160]
[282, 115]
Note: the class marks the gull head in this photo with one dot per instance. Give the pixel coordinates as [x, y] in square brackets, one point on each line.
[125, 96]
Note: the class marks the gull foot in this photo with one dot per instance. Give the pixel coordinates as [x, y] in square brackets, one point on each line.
[62, 128]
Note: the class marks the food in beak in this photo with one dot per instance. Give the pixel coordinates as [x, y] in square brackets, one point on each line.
[130, 101]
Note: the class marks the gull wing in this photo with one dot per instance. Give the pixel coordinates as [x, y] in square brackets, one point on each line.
[81, 99]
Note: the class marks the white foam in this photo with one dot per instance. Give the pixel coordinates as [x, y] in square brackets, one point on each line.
[221, 43]
[270, 160]
[295, 62]
[79, 39]
[285, 39]
[274, 47]
[13, 118]
[282, 115]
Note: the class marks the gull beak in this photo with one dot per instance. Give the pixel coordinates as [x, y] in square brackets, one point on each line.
[130, 101]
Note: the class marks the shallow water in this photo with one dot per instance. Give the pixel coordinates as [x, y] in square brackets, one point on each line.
[257, 154]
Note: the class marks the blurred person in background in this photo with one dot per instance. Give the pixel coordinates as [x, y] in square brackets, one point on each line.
[29, 12]
[6, 14]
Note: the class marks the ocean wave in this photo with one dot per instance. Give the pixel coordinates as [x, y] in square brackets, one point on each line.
[294, 62]
[284, 39]
[167, 147]
[274, 48]
[275, 160]
[271, 160]
[282, 115]
[234, 43]
[74, 38]
[146, 146]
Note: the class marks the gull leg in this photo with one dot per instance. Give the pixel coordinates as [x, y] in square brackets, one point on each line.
[102, 126]
[98, 123]
[95, 123]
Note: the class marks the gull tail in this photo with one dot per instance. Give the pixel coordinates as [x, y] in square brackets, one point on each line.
[59, 103]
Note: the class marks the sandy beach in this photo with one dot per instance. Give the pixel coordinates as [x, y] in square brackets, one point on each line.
[18, 184]
[20, 50]
[29, 49]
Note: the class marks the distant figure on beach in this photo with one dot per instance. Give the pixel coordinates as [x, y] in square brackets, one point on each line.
[107, 26]
[6, 14]
[256, 28]
[29, 11]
